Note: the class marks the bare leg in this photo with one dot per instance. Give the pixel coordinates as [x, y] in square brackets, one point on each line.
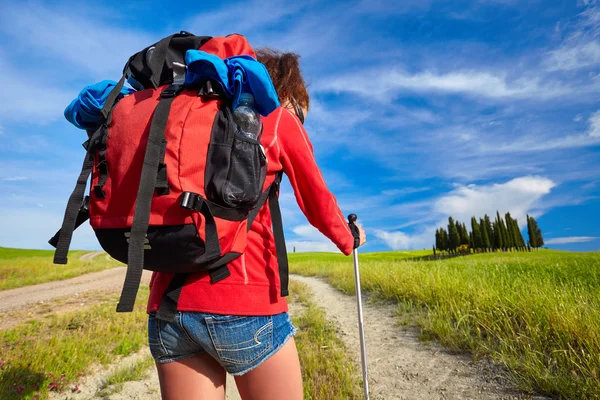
[197, 377]
[277, 378]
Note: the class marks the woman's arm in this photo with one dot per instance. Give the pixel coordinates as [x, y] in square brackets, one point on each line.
[316, 201]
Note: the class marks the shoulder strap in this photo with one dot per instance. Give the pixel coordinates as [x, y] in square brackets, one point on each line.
[280, 248]
[141, 216]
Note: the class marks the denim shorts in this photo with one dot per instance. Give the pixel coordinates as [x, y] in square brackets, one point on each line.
[238, 343]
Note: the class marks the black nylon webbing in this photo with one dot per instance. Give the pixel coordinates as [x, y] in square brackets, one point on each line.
[213, 249]
[75, 201]
[162, 184]
[282, 259]
[112, 97]
[82, 216]
[102, 172]
[168, 304]
[141, 216]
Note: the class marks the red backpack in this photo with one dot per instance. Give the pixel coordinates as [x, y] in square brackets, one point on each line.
[174, 188]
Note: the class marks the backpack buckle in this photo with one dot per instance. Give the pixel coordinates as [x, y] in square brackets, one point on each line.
[191, 201]
[171, 91]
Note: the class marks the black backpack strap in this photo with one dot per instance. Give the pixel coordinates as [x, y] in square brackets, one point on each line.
[162, 184]
[280, 248]
[168, 304]
[82, 216]
[112, 97]
[76, 199]
[271, 194]
[102, 167]
[65, 234]
[141, 216]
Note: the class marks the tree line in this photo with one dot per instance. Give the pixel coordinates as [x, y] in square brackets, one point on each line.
[486, 235]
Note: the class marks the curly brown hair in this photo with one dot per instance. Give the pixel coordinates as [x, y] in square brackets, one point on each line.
[284, 69]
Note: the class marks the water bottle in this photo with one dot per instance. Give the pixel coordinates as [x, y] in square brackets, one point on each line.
[247, 118]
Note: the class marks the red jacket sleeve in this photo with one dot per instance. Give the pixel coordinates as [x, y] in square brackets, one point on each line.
[316, 201]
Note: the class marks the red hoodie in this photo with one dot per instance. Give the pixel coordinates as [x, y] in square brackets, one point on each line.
[253, 287]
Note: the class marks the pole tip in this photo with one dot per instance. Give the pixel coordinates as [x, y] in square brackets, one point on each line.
[352, 217]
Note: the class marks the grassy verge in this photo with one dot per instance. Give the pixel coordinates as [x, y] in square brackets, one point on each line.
[29, 267]
[42, 356]
[326, 370]
[537, 313]
[136, 372]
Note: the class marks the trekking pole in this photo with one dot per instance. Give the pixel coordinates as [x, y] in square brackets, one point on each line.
[363, 350]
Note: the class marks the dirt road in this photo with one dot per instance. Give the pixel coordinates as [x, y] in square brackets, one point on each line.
[21, 297]
[400, 366]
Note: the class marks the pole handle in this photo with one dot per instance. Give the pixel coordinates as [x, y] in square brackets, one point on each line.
[354, 229]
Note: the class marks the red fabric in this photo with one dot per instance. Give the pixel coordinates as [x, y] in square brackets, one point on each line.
[126, 147]
[253, 287]
[228, 46]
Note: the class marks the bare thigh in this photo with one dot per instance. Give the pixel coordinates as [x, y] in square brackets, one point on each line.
[277, 378]
[197, 377]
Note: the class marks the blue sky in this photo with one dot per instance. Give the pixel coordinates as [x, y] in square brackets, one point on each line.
[420, 109]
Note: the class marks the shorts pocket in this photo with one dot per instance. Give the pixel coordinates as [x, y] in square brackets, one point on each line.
[157, 349]
[240, 340]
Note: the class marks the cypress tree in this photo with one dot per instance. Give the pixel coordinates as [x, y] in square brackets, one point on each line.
[498, 235]
[531, 232]
[444, 239]
[466, 234]
[471, 241]
[510, 231]
[485, 239]
[539, 240]
[490, 232]
[461, 238]
[477, 239]
[453, 236]
[516, 233]
[506, 242]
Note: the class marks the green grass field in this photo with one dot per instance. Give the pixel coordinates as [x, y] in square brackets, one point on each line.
[537, 313]
[20, 267]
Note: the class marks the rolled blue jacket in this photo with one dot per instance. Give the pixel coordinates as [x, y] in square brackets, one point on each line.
[236, 75]
[85, 112]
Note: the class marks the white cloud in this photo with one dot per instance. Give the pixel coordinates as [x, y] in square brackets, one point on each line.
[533, 143]
[396, 240]
[571, 239]
[305, 246]
[81, 42]
[387, 82]
[581, 48]
[32, 99]
[220, 22]
[576, 57]
[308, 238]
[518, 196]
[14, 178]
[594, 123]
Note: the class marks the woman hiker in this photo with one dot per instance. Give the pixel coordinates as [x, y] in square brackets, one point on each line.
[240, 325]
